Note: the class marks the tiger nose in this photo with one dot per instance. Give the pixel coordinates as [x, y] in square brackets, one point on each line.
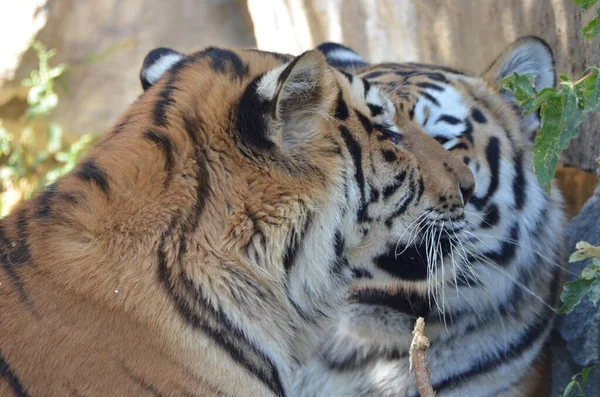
[466, 191]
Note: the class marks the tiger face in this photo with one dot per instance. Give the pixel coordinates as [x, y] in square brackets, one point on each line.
[484, 263]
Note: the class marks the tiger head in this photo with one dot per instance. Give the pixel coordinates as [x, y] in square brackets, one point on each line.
[457, 241]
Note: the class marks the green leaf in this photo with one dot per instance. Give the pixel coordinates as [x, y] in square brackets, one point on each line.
[584, 250]
[575, 291]
[54, 138]
[585, 373]
[585, 4]
[592, 270]
[589, 89]
[594, 292]
[560, 118]
[523, 89]
[592, 29]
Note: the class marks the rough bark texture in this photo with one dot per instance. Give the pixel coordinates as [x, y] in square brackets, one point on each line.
[104, 43]
[467, 34]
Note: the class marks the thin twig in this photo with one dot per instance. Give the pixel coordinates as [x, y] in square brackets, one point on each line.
[418, 359]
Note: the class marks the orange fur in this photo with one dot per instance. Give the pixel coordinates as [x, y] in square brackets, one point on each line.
[87, 314]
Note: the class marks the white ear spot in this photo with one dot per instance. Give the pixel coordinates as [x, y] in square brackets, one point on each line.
[156, 63]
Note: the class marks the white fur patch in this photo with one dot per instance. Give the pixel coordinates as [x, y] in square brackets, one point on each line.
[344, 56]
[427, 114]
[158, 68]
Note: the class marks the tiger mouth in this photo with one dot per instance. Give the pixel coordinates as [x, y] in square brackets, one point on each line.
[413, 262]
[408, 303]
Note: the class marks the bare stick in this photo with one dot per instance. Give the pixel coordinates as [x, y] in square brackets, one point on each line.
[418, 359]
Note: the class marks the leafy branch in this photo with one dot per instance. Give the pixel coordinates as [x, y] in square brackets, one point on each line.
[574, 386]
[25, 166]
[588, 283]
[561, 113]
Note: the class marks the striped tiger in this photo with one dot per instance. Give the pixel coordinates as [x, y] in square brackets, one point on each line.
[488, 323]
[200, 248]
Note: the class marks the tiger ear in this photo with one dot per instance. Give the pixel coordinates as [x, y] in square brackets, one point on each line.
[156, 63]
[526, 55]
[304, 92]
[342, 57]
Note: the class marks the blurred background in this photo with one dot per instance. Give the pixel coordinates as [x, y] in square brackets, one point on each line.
[54, 104]
[68, 68]
[100, 45]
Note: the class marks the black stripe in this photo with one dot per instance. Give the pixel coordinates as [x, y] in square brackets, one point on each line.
[406, 202]
[164, 143]
[391, 189]
[347, 75]
[441, 139]
[508, 249]
[491, 217]
[226, 62]
[406, 263]
[468, 132]
[147, 386]
[359, 272]
[10, 257]
[376, 110]
[413, 304]
[89, 171]
[44, 203]
[487, 364]
[165, 100]
[389, 155]
[448, 119]
[373, 75]
[366, 86]
[421, 188]
[460, 145]
[374, 195]
[519, 185]
[251, 121]
[286, 72]
[355, 361]
[366, 123]
[13, 381]
[121, 126]
[434, 67]
[356, 153]
[411, 111]
[341, 110]
[493, 158]
[19, 252]
[429, 98]
[201, 314]
[478, 116]
[289, 258]
[432, 86]
[340, 262]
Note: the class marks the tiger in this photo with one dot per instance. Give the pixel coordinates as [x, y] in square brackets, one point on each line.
[488, 324]
[201, 247]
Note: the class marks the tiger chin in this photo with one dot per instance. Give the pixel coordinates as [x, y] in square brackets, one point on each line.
[200, 249]
[485, 275]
